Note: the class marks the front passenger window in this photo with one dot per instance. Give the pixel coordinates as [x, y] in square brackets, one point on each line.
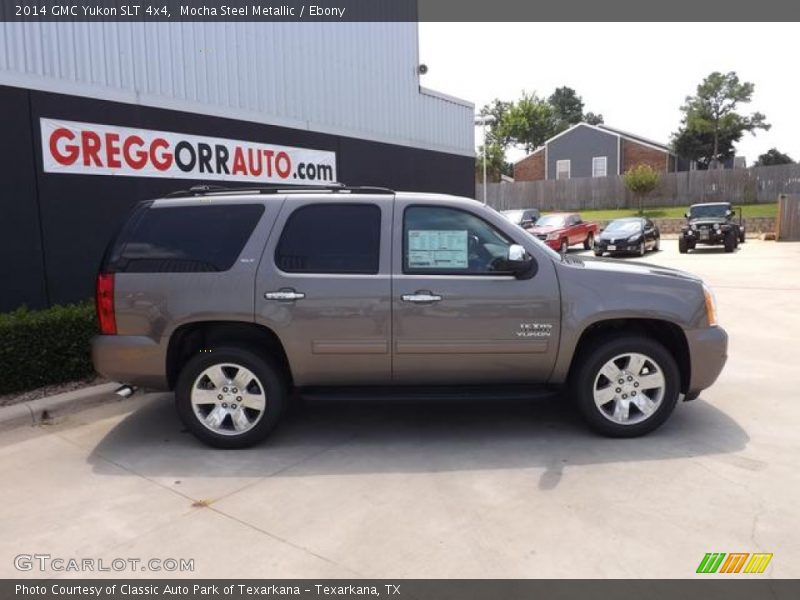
[448, 241]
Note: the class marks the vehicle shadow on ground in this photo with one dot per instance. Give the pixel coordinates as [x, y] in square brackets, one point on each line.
[353, 437]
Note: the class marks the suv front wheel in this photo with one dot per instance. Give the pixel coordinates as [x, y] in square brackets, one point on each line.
[626, 386]
[230, 397]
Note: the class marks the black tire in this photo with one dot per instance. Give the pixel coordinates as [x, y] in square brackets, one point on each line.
[683, 245]
[564, 247]
[730, 242]
[657, 245]
[741, 236]
[642, 249]
[598, 252]
[588, 243]
[592, 359]
[268, 375]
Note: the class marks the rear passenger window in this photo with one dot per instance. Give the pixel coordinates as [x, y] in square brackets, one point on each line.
[331, 238]
[185, 239]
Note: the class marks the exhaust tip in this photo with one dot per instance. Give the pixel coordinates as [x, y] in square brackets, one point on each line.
[125, 391]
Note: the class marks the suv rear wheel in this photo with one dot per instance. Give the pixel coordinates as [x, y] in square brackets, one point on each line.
[626, 386]
[230, 397]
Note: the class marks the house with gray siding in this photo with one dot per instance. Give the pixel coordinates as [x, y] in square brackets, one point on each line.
[586, 150]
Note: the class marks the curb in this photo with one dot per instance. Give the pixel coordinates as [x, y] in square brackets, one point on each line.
[45, 409]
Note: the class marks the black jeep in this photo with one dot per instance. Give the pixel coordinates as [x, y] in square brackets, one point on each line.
[711, 224]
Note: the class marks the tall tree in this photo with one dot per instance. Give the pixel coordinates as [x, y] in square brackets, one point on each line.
[711, 123]
[497, 132]
[593, 118]
[530, 121]
[496, 164]
[567, 107]
[773, 157]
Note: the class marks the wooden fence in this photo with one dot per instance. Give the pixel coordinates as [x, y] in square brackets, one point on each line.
[740, 186]
[789, 217]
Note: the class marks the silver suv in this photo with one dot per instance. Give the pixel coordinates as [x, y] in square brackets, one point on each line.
[236, 298]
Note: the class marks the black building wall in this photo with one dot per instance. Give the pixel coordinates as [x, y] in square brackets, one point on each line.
[54, 227]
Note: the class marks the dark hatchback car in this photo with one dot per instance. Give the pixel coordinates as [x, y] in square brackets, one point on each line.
[632, 234]
[524, 217]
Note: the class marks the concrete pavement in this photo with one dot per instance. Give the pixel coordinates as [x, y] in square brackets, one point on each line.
[478, 489]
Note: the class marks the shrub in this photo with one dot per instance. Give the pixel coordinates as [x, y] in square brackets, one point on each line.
[641, 180]
[43, 347]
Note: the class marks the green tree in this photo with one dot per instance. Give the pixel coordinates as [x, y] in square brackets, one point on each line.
[496, 164]
[497, 132]
[529, 122]
[593, 119]
[641, 180]
[773, 157]
[567, 107]
[711, 124]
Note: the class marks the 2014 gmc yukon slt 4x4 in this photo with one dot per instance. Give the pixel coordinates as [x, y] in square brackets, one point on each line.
[235, 298]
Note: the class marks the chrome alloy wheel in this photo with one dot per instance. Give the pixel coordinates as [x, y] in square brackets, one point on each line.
[228, 399]
[629, 388]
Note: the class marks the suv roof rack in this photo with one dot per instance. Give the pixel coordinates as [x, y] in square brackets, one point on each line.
[203, 190]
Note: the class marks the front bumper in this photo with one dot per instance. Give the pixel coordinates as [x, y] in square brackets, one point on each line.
[618, 247]
[708, 351]
[132, 359]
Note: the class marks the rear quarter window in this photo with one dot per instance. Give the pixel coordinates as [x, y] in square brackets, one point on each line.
[184, 239]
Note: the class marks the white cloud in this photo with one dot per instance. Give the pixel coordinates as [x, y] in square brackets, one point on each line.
[636, 74]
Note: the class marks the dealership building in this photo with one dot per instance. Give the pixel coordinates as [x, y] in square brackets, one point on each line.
[98, 116]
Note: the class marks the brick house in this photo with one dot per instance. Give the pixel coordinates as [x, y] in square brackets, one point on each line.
[586, 150]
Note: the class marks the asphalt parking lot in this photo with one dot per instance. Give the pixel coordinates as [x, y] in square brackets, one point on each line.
[515, 489]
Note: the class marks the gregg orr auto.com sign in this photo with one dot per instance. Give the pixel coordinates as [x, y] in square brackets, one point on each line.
[91, 149]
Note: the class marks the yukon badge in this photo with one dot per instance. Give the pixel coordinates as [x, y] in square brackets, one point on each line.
[534, 330]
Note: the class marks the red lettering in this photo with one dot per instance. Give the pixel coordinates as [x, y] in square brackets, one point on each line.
[239, 167]
[90, 146]
[268, 154]
[163, 162]
[71, 151]
[135, 160]
[283, 164]
[112, 151]
[254, 170]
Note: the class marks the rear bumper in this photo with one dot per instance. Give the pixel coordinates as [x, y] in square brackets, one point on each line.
[708, 349]
[137, 360]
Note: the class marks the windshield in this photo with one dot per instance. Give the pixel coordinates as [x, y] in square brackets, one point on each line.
[708, 210]
[550, 221]
[623, 226]
[515, 216]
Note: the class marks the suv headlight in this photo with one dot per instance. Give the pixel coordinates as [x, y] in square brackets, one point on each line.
[711, 306]
[552, 236]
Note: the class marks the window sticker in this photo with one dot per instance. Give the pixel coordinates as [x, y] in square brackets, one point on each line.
[434, 249]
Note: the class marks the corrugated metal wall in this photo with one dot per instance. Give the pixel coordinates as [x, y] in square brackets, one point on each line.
[356, 79]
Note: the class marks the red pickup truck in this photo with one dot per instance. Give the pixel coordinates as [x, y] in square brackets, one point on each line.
[562, 230]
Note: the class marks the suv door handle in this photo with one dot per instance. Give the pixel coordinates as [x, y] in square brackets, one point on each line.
[421, 297]
[284, 295]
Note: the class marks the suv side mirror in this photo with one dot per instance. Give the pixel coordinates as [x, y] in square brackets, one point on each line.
[728, 213]
[686, 214]
[518, 261]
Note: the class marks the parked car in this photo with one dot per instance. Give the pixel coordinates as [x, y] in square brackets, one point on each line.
[523, 217]
[236, 299]
[710, 224]
[631, 234]
[562, 230]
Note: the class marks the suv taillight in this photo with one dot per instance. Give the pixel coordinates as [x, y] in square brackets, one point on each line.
[104, 301]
